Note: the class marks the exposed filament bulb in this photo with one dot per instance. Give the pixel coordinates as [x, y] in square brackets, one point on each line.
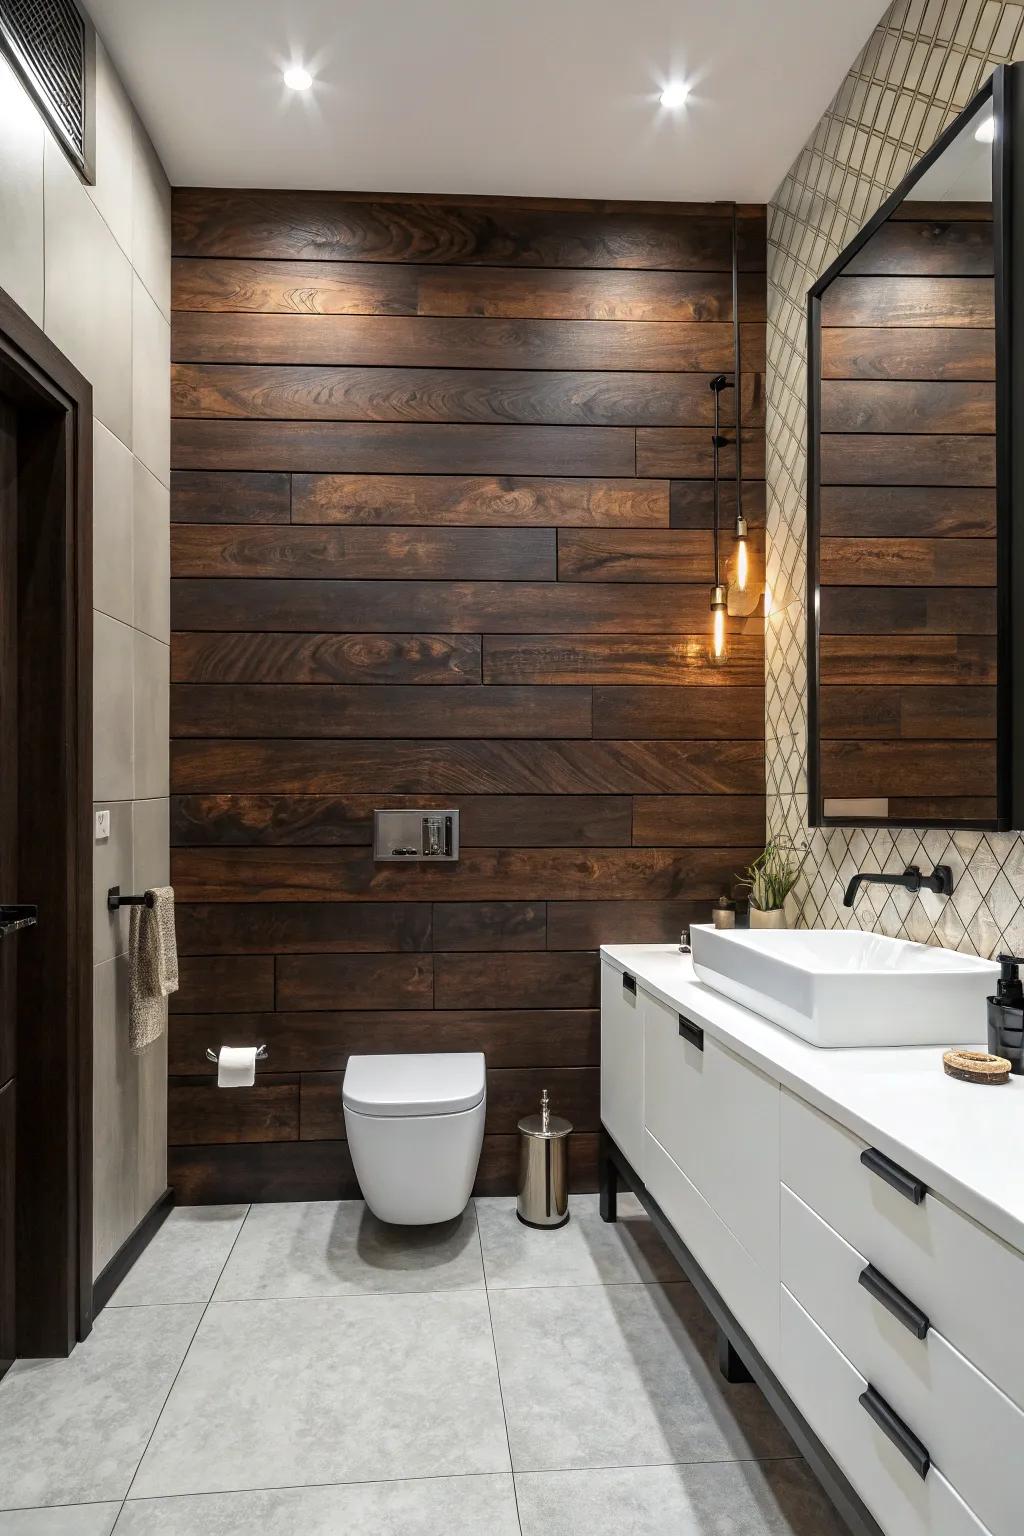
[742, 553]
[718, 634]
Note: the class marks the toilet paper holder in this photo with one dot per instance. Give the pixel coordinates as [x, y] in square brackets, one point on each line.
[262, 1053]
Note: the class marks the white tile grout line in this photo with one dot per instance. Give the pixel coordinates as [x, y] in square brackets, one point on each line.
[181, 1365]
[497, 1370]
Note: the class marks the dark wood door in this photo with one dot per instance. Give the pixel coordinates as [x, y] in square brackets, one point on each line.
[8, 860]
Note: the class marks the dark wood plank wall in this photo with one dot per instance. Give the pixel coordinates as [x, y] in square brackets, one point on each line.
[441, 536]
[907, 552]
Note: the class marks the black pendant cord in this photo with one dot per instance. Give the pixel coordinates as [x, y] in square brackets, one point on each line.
[716, 523]
[737, 378]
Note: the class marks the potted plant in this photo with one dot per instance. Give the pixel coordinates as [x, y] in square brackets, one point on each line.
[769, 879]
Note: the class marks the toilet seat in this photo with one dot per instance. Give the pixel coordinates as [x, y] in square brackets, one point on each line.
[444, 1084]
[415, 1127]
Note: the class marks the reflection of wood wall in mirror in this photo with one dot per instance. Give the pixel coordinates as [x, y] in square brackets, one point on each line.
[907, 523]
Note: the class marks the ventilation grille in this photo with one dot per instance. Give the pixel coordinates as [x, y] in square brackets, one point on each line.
[47, 42]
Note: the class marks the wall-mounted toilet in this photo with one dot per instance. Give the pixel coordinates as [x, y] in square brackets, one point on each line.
[415, 1126]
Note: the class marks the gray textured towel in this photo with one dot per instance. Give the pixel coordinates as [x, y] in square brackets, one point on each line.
[152, 968]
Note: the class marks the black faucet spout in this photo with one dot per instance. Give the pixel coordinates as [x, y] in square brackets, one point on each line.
[940, 881]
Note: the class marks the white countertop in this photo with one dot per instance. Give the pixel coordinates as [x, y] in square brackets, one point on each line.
[965, 1140]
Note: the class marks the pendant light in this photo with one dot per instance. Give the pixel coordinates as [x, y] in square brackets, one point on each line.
[719, 591]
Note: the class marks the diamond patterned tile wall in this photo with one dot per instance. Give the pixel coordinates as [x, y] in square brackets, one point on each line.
[919, 68]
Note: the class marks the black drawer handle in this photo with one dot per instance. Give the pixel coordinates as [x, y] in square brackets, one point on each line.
[691, 1031]
[898, 1178]
[894, 1301]
[628, 983]
[893, 1427]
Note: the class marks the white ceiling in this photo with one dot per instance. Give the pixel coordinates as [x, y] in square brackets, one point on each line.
[520, 97]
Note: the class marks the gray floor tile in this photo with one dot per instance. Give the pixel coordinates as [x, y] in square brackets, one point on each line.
[619, 1375]
[586, 1251]
[347, 1389]
[457, 1506]
[64, 1520]
[184, 1259]
[338, 1248]
[719, 1499]
[73, 1430]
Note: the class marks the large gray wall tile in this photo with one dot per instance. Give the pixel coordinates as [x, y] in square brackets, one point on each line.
[151, 715]
[151, 552]
[112, 519]
[151, 384]
[113, 645]
[21, 196]
[112, 864]
[112, 192]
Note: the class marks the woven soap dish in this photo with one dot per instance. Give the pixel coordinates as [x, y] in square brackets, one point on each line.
[976, 1067]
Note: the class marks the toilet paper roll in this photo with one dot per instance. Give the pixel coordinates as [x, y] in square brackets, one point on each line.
[236, 1066]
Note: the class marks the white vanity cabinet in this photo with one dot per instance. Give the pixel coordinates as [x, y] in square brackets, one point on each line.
[885, 1313]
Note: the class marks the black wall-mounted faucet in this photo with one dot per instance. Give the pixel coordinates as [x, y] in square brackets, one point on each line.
[940, 881]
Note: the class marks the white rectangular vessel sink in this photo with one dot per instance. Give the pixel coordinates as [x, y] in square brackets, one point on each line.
[842, 987]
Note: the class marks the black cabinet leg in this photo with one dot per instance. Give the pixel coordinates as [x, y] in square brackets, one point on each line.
[608, 1185]
[729, 1362]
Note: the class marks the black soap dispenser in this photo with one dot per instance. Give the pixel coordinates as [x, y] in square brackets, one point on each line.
[1006, 1015]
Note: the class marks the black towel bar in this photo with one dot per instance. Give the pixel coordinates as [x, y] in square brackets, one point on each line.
[115, 900]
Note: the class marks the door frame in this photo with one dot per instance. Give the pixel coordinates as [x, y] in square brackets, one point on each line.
[54, 1139]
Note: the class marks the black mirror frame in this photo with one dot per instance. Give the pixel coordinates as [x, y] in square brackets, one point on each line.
[1005, 88]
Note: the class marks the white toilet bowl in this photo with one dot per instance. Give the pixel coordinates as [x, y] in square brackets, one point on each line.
[415, 1126]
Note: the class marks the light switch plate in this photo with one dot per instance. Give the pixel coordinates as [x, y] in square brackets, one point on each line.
[102, 826]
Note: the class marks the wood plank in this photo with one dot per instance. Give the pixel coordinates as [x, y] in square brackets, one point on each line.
[909, 301]
[891, 768]
[926, 248]
[210, 497]
[275, 711]
[861, 458]
[482, 554]
[340, 982]
[308, 1042]
[943, 809]
[942, 211]
[898, 511]
[409, 447]
[511, 293]
[382, 342]
[692, 502]
[224, 984]
[479, 499]
[876, 405]
[686, 453]
[336, 226]
[661, 821]
[894, 611]
[322, 1170]
[635, 659]
[267, 1171]
[672, 554]
[512, 1092]
[667, 712]
[209, 657]
[460, 607]
[201, 1114]
[501, 821]
[907, 562]
[490, 925]
[302, 927]
[479, 767]
[945, 712]
[523, 980]
[918, 659]
[521, 874]
[878, 352]
[489, 395]
[588, 924]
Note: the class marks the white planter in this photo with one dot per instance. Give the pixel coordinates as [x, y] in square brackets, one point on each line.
[776, 918]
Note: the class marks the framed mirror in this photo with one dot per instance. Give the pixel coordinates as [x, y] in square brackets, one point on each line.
[912, 494]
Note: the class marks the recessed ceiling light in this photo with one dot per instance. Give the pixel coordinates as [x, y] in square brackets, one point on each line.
[986, 131]
[675, 94]
[297, 78]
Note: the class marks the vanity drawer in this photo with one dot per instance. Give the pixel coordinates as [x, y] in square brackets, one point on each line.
[827, 1390]
[974, 1432]
[622, 1061]
[718, 1119]
[958, 1273]
[748, 1291]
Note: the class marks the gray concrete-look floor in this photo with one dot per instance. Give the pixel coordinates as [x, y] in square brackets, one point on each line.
[300, 1370]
